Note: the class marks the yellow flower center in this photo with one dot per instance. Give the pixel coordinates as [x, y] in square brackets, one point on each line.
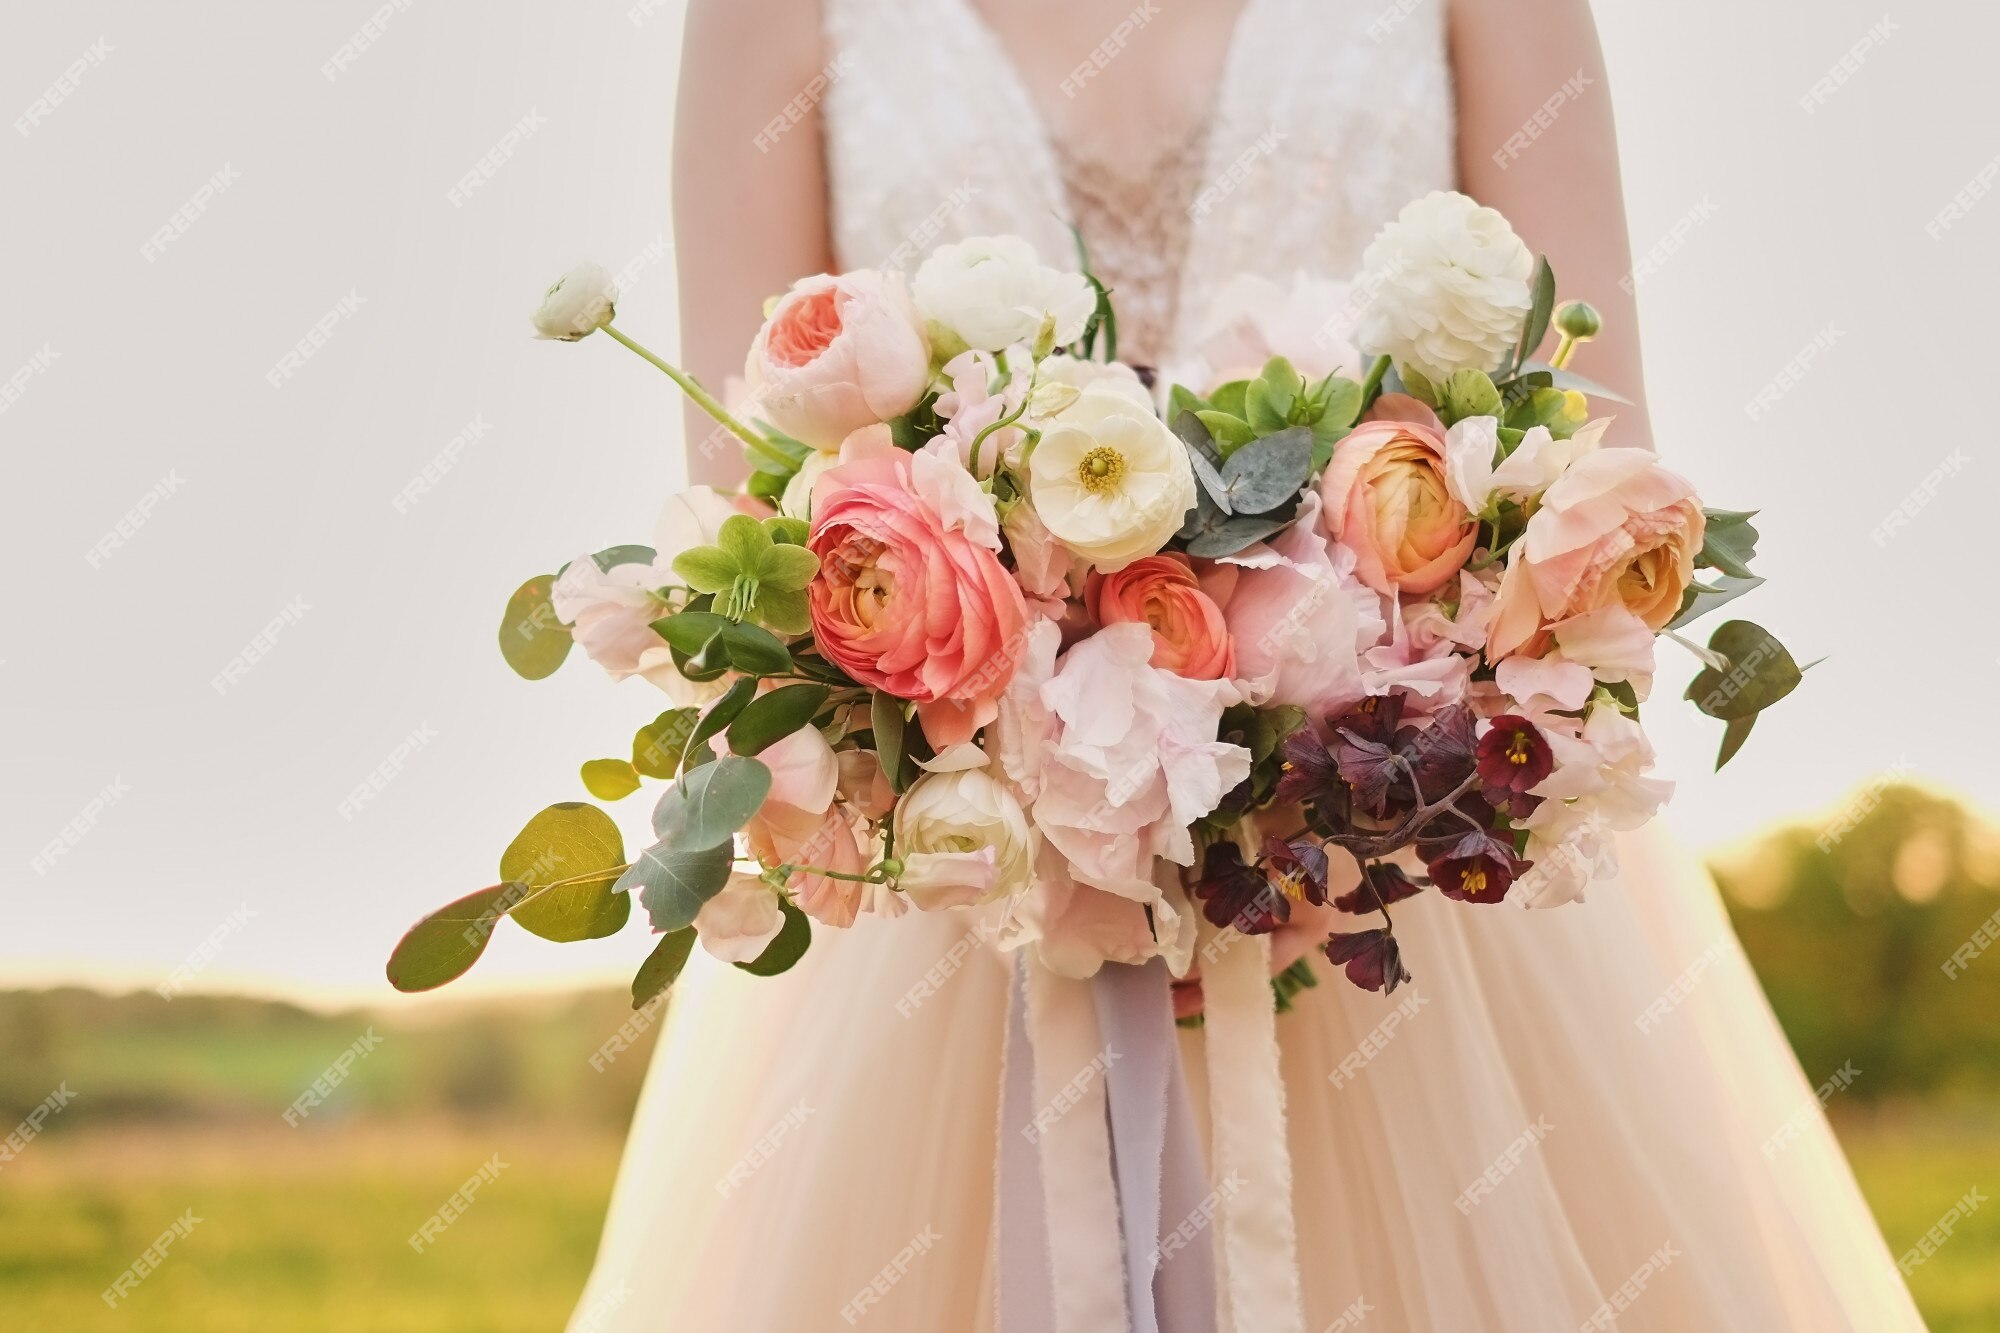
[1101, 470]
[1517, 749]
[1474, 881]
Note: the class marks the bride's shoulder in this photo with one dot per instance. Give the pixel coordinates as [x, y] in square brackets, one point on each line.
[771, 35]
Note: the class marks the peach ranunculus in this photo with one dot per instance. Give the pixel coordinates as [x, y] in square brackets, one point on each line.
[837, 354]
[911, 597]
[1616, 530]
[1190, 637]
[1388, 501]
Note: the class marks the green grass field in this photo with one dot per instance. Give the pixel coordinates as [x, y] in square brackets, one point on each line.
[307, 1230]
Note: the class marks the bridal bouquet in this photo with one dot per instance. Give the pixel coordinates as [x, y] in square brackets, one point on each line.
[1002, 625]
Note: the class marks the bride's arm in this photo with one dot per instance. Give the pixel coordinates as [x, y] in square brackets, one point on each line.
[1535, 141]
[749, 189]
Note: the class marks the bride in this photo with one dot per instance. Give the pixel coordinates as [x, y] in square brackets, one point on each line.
[1580, 1118]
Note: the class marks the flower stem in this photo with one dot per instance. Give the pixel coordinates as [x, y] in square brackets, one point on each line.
[702, 399]
[1374, 380]
[1709, 657]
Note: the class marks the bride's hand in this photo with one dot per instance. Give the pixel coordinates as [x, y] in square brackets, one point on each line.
[1307, 930]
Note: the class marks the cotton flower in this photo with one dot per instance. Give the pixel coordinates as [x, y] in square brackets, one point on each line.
[994, 291]
[1110, 480]
[1448, 287]
[582, 301]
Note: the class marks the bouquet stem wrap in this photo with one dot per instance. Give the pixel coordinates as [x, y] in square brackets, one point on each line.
[1107, 1215]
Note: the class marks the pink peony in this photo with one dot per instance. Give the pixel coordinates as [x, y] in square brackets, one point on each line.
[911, 597]
[1615, 530]
[837, 354]
[1161, 592]
[1388, 501]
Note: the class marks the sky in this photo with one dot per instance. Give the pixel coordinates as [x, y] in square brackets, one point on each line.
[278, 446]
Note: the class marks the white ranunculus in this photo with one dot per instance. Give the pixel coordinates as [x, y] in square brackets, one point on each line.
[582, 302]
[994, 291]
[1446, 286]
[1110, 480]
[953, 816]
[796, 502]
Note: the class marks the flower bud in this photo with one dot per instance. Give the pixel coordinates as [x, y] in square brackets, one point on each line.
[582, 301]
[1578, 320]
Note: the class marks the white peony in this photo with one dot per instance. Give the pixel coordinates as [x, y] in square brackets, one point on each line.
[994, 291]
[1446, 286]
[1109, 480]
[957, 814]
[582, 301]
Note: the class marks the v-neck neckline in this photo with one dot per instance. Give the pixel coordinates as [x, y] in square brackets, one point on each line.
[1013, 83]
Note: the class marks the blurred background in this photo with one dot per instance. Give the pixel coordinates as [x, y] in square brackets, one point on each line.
[278, 446]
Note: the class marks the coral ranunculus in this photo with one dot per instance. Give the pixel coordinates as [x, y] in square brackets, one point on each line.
[838, 354]
[1160, 591]
[911, 597]
[1388, 501]
[1616, 530]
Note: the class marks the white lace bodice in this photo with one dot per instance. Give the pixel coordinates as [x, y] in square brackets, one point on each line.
[1331, 115]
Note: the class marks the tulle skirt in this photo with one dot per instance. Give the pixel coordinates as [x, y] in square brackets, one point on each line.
[1580, 1118]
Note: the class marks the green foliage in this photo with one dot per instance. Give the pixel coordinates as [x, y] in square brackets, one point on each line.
[673, 884]
[657, 746]
[573, 853]
[752, 575]
[1542, 306]
[1757, 672]
[1729, 543]
[705, 808]
[532, 639]
[783, 953]
[1469, 393]
[444, 945]
[663, 965]
[610, 779]
[770, 718]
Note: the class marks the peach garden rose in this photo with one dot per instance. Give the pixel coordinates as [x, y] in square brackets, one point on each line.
[1388, 501]
[1161, 592]
[838, 354]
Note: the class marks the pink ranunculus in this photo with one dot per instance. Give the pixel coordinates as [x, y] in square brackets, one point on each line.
[1388, 500]
[837, 354]
[1616, 529]
[801, 823]
[1299, 618]
[911, 597]
[1161, 592]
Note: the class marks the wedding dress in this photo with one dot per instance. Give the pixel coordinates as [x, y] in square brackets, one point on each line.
[1579, 1118]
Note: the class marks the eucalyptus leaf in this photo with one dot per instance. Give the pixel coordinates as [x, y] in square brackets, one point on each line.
[1268, 472]
[610, 779]
[1702, 598]
[673, 884]
[1214, 489]
[567, 842]
[444, 945]
[663, 965]
[1730, 544]
[704, 809]
[783, 952]
[532, 639]
[612, 557]
[1733, 736]
[1760, 672]
[770, 718]
[657, 746]
[1232, 535]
